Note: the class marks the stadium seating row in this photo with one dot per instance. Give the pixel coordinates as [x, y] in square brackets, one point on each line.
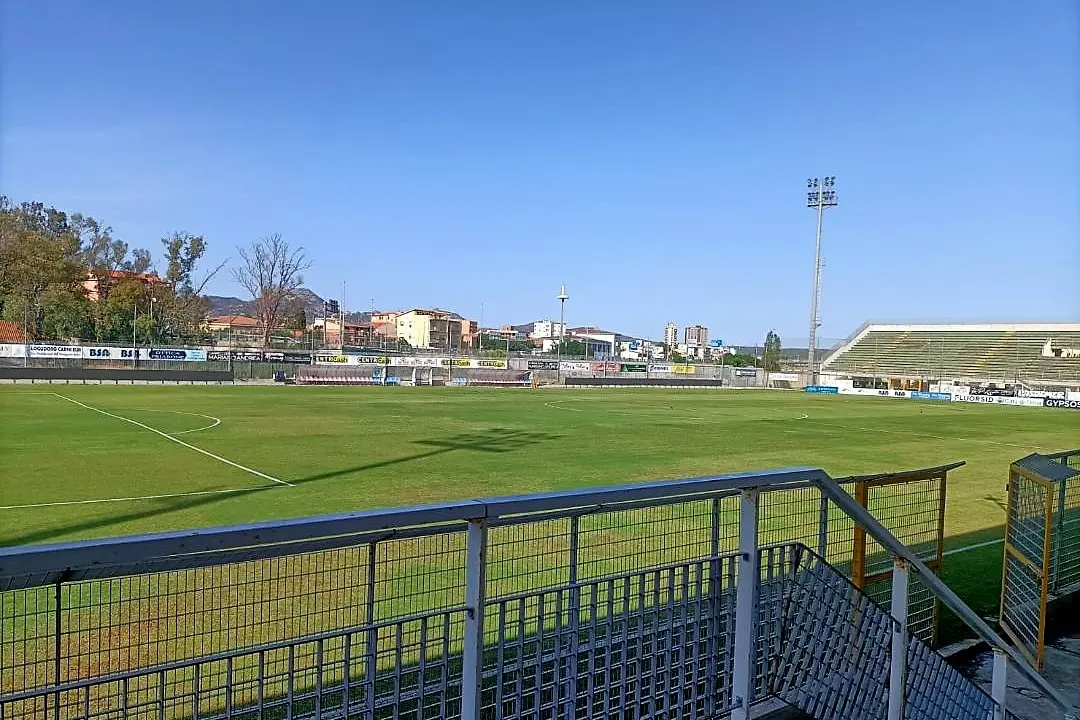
[1011, 354]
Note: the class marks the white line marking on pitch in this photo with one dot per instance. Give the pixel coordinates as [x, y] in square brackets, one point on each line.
[554, 404]
[976, 546]
[214, 424]
[178, 441]
[126, 499]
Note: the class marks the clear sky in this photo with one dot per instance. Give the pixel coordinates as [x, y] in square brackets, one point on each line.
[651, 155]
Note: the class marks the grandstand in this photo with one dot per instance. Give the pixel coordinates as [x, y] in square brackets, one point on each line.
[1023, 354]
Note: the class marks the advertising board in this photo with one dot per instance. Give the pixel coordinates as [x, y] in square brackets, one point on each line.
[415, 361]
[543, 365]
[1000, 400]
[64, 352]
[579, 367]
[112, 353]
[784, 377]
[684, 369]
[329, 359]
[180, 354]
[287, 357]
[1063, 404]
[10, 350]
[745, 372]
[1053, 394]
[660, 368]
[939, 396]
[823, 389]
[368, 360]
[632, 367]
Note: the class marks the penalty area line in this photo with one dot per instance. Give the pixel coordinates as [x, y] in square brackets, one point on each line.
[178, 441]
[133, 498]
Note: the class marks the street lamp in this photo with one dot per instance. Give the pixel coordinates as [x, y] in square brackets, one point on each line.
[562, 297]
[820, 194]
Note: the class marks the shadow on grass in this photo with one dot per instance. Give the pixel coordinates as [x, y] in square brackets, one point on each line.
[495, 440]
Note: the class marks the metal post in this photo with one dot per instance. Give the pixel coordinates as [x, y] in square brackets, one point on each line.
[371, 656]
[823, 528]
[134, 350]
[472, 654]
[575, 612]
[58, 629]
[25, 332]
[999, 683]
[742, 672]
[714, 610]
[898, 659]
[1058, 536]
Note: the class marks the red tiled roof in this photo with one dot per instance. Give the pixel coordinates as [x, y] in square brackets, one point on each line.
[11, 332]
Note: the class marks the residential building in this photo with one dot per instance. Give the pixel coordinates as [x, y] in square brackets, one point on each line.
[598, 343]
[697, 335]
[384, 324]
[92, 283]
[357, 334]
[546, 330]
[671, 335]
[434, 328]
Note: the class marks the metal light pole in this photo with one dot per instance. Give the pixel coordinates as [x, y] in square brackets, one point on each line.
[134, 347]
[562, 296]
[820, 194]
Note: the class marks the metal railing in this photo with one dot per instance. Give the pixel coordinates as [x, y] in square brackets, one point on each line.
[624, 600]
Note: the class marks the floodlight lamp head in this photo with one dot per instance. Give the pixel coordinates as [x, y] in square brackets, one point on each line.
[562, 296]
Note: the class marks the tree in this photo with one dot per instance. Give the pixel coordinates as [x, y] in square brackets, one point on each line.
[771, 356]
[182, 306]
[272, 273]
[297, 319]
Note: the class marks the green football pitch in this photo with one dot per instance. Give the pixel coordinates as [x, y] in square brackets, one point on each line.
[92, 461]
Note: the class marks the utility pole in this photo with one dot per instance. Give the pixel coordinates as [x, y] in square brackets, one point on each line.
[820, 194]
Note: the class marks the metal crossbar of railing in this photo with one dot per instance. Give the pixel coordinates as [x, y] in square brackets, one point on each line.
[623, 600]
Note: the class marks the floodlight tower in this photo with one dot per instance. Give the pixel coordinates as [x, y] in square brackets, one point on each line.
[562, 298]
[820, 194]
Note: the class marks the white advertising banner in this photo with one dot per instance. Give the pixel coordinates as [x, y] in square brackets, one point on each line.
[66, 352]
[1073, 395]
[581, 367]
[659, 368]
[784, 377]
[876, 393]
[416, 361]
[12, 351]
[112, 353]
[999, 400]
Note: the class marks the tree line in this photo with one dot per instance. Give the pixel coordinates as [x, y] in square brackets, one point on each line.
[66, 276]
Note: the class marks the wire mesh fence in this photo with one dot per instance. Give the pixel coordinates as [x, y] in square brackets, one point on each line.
[621, 606]
[1042, 545]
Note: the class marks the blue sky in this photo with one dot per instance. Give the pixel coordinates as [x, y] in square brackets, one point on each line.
[650, 155]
